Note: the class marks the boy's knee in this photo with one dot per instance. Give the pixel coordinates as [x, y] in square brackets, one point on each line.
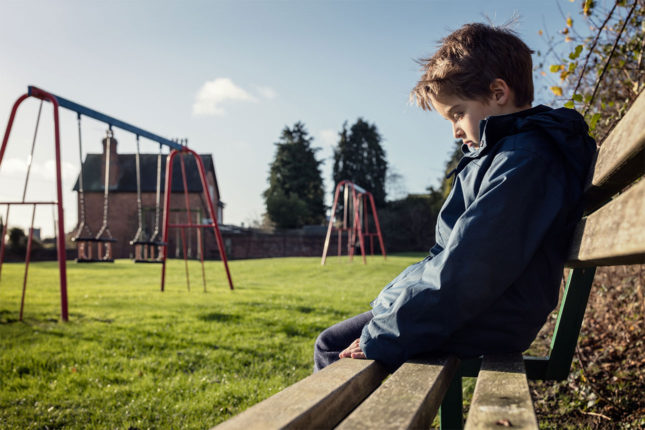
[322, 341]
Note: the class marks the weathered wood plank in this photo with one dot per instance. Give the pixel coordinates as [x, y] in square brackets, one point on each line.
[501, 397]
[621, 158]
[408, 399]
[319, 401]
[613, 234]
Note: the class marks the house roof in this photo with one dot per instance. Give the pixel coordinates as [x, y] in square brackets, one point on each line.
[93, 180]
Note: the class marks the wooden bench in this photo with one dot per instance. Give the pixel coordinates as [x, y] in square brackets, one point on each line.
[355, 394]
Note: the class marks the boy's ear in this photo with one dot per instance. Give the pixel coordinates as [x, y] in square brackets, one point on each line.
[500, 92]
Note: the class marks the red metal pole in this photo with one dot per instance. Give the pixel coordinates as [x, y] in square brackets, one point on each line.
[166, 215]
[359, 227]
[183, 246]
[2, 240]
[200, 244]
[62, 255]
[60, 242]
[10, 124]
[212, 213]
[188, 219]
[332, 216]
[366, 224]
[378, 227]
[352, 230]
[27, 260]
[5, 139]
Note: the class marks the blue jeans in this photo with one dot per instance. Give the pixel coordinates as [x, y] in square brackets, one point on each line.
[336, 338]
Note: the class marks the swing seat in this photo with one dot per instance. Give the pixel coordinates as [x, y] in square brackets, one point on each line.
[89, 240]
[147, 257]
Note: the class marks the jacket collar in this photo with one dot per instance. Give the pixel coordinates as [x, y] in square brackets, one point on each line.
[494, 128]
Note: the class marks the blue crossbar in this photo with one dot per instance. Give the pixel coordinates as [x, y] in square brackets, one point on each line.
[112, 122]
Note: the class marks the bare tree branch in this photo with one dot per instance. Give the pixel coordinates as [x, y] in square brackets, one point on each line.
[611, 54]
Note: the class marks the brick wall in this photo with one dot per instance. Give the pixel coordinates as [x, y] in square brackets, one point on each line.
[243, 244]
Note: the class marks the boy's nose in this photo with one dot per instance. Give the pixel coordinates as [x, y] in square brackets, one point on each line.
[457, 132]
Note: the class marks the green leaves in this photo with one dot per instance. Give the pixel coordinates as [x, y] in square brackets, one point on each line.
[576, 52]
[594, 121]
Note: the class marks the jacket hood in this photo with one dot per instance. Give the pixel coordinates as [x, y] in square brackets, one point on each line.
[566, 129]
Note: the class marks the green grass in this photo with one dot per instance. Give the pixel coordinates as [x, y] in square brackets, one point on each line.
[133, 357]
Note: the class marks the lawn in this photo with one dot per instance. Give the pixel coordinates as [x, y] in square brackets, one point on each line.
[133, 357]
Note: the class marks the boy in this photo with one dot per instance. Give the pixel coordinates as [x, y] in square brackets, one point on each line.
[492, 277]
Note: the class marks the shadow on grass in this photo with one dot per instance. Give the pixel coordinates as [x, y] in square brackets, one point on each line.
[218, 317]
[11, 317]
[302, 309]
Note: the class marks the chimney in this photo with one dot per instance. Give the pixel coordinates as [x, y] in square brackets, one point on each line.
[114, 160]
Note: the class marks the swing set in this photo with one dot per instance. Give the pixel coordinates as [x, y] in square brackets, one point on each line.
[355, 222]
[147, 248]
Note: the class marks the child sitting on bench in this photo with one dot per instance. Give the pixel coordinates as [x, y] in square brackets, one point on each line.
[493, 275]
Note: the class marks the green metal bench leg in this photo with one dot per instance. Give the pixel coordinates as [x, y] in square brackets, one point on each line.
[451, 413]
[567, 328]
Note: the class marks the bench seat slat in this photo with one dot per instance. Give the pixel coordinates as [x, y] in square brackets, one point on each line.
[409, 399]
[613, 234]
[319, 401]
[501, 398]
[621, 157]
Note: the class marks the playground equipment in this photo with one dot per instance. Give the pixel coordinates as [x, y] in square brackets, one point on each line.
[144, 245]
[355, 222]
[34, 204]
[83, 236]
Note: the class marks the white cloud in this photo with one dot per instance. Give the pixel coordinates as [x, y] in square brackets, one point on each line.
[213, 94]
[16, 169]
[267, 92]
[14, 166]
[48, 170]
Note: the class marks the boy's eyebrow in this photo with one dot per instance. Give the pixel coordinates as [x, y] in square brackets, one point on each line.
[452, 109]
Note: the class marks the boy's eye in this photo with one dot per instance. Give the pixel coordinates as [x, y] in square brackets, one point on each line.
[457, 115]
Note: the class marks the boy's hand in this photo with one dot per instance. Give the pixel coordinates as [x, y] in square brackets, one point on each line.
[353, 351]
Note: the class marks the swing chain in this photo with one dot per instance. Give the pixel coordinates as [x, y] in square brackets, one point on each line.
[106, 192]
[83, 229]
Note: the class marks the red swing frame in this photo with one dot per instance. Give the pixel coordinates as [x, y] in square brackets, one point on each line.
[60, 237]
[359, 226]
[189, 224]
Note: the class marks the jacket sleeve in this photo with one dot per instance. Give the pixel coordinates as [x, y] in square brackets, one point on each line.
[489, 247]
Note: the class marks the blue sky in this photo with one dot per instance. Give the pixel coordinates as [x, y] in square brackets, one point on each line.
[229, 76]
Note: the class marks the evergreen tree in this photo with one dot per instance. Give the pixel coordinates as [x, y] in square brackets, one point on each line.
[295, 196]
[360, 158]
[451, 165]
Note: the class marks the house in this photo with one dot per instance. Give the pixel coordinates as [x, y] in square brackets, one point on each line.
[122, 210]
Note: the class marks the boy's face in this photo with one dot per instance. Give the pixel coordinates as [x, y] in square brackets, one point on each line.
[465, 115]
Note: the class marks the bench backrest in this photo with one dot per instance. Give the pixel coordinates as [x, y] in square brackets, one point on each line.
[612, 233]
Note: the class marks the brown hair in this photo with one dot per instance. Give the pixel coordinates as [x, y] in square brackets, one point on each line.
[468, 61]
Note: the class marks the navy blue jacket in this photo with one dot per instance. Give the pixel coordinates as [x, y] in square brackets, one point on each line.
[493, 275]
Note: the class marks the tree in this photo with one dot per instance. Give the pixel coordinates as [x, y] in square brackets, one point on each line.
[360, 158]
[600, 71]
[295, 196]
[17, 240]
[451, 165]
